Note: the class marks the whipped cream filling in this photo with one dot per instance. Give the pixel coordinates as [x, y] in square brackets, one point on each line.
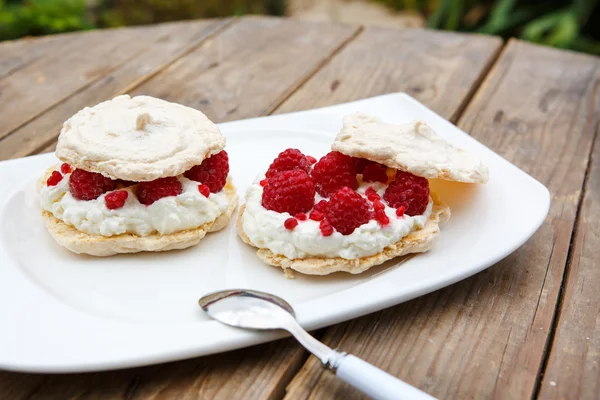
[188, 210]
[265, 229]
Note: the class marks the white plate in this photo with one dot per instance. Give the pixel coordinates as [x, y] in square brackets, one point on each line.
[60, 312]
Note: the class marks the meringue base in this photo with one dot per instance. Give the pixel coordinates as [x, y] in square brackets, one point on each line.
[415, 242]
[102, 246]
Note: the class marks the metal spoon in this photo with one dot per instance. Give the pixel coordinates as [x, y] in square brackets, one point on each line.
[258, 310]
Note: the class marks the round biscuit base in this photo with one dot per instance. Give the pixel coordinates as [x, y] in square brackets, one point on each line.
[415, 242]
[102, 246]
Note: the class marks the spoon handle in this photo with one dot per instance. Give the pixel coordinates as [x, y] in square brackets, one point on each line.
[375, 382]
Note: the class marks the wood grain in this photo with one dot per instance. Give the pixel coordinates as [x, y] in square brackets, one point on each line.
[573, 366]
[250, 68]
[485, 337]
[161, 46]
[440, 70]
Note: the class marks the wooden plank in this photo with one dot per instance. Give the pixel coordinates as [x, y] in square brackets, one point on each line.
[485, 337]
[252, 65]
[573, 365]
[161, 46]
[438, 70]
[249, 69]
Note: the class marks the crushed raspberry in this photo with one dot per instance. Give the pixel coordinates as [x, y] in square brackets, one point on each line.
[378, 205]
[409, 191]
[321, 206]
[116, 199]
[347, 210]
[65, 168]
[361, 163]
[382, 217]
[289, 191]
[54, 178]
[288, 160]
[316, 215]
[85, 185]
[149, 192]
[326, 228]
[301, 217]
[311, 160]
[372, 194]
[212, 172]
[375, 172]
[400, 211]
[334, 171]
[290, 223]
[204, 190]
[263, 182]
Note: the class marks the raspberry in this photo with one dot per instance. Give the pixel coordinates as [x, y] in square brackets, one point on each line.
[301, 217]
[409, 191]
[116, 199]
[85, 185]
[382, 217]
[65, 168]
[316, 215]
[375, 172]
[311, 159]
[400, 211]
[321, 206]
[347, 210]
[54, 178]
[149, 192]
[212, 172]
[289, 191]
[372, 194]
[204, 190]
[263, 182]
[326, 228]
[290, 224]
[334, 171]
[378, 205]
[288, 160]
[361, 163]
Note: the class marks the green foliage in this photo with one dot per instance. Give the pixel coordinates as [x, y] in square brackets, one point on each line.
[564, 24]
[41, 17]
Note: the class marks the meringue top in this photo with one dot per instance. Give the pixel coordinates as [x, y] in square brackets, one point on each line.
[413, 147]
[138, 139]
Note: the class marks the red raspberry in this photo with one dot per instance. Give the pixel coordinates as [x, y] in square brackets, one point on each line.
[372, 194]
[212, 172]
[321, 206]
[378, 205]
[301, 217]
[316, 215]
[290, 224]
[347, 210]
[54, 178]
[289, 191]
[400, 211]
[375, 172]
[361, 163]
[65, 168]
[149, 192]
[311, 159]
[287, 160]
[409, 191]
[263, 182]
[116, 199]
[382, 217]
[334, 171]
[326, 228]
[85, 185]
[204, 190]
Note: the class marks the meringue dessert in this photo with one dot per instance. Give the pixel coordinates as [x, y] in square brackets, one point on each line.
[138, 174]
[365, 202]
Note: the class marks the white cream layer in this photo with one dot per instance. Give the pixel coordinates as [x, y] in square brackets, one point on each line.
[188, 210]
[265, 229]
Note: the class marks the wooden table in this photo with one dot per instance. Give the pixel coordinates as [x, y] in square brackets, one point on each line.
[527, 327]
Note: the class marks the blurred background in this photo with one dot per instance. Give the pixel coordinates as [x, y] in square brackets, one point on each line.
[566, 24]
